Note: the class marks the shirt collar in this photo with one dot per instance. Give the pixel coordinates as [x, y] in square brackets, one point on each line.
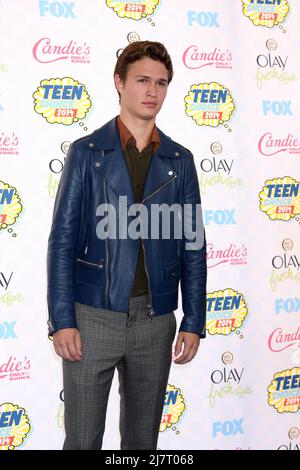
[126, 136]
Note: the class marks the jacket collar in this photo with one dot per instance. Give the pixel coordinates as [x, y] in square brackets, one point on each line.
[109, 160]
[107, 138]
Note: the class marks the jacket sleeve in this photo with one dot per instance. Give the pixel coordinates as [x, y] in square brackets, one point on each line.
[194, 268]
[61, 246]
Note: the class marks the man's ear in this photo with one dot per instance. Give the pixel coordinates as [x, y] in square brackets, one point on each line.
[118, 83]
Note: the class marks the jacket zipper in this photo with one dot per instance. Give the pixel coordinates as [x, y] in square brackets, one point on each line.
[106, 251]
[89, 263]
[150, 308]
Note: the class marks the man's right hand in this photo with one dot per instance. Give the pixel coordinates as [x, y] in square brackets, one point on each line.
[67, 344]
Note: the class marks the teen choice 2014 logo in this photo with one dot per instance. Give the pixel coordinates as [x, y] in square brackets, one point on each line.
[14, 426]
[209, 104]
[226, 311]
[284, 391]
[133, 9]
[174, 406]
[267, 13]
[280, 198]
[10, 206]
[62, 100]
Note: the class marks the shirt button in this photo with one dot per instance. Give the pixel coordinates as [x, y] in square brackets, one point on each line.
[177, 154]
[97, 164]
[91, 144]
[170, 173]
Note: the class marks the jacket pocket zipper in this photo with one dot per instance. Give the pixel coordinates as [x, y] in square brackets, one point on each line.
[89, 263]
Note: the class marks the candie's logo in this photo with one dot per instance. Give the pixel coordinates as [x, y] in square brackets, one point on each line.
[174, 406]
[226, 311]
[267, 13]
[14, 426]
[133, 9]
[284, 391]
[62, 100]
[269, 145]
[196, 58]
[280, 198]
[209, 104]
[9, 144]
[45, 52]
[10, 206]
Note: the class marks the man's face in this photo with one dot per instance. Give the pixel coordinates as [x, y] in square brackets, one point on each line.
[144, 89]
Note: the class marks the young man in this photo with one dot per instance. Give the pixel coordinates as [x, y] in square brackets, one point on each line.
[112, 294]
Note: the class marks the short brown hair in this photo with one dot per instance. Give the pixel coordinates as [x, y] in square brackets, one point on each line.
[139, 49]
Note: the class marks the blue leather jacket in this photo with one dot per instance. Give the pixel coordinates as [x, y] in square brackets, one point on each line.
[99, 272]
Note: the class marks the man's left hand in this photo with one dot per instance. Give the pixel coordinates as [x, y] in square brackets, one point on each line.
[190, 343]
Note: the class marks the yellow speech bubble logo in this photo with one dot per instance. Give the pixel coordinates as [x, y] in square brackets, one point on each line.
[14, 426]
[62, 101]
[134, 9]
[209, 104]
[174, 406]
[280, 198]
[10, 205]
[284, 391]
[266, 13]
[226, 311]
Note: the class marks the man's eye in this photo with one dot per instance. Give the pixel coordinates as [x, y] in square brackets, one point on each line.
[162, 84]
[143, 80]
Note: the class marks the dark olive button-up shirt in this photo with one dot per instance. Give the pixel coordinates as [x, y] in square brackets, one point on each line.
[138, 164]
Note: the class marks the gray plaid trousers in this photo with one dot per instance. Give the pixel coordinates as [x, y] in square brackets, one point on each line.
[141, 349]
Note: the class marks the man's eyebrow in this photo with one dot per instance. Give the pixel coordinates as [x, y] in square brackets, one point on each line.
[147, 76]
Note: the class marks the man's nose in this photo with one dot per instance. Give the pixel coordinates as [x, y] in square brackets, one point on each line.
[152, 88]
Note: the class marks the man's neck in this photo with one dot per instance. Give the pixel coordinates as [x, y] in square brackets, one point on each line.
[140, 129]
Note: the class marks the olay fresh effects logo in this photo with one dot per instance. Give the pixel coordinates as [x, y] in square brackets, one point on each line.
[269, 145]
[131, 37]
[271, 65]
[285, 265]
[15, 369]
[226, 312]
[8, 298]
[9, 143]
[133, 9]
[280, 198]
[284, 391]
[14, 426]
[233, 254]
[227, 381]
[10, 207]
[209, 104]
[62, 100]
[215, 170]
[174, 406]
[60, 411]
[294, 437]
[47, 51]
[195, 58]
[56, 167]
[268, 13]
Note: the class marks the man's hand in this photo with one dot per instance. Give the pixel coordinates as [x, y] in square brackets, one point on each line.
[191, 342]
[67, 344]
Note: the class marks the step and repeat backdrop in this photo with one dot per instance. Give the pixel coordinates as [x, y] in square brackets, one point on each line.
[235, 103]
